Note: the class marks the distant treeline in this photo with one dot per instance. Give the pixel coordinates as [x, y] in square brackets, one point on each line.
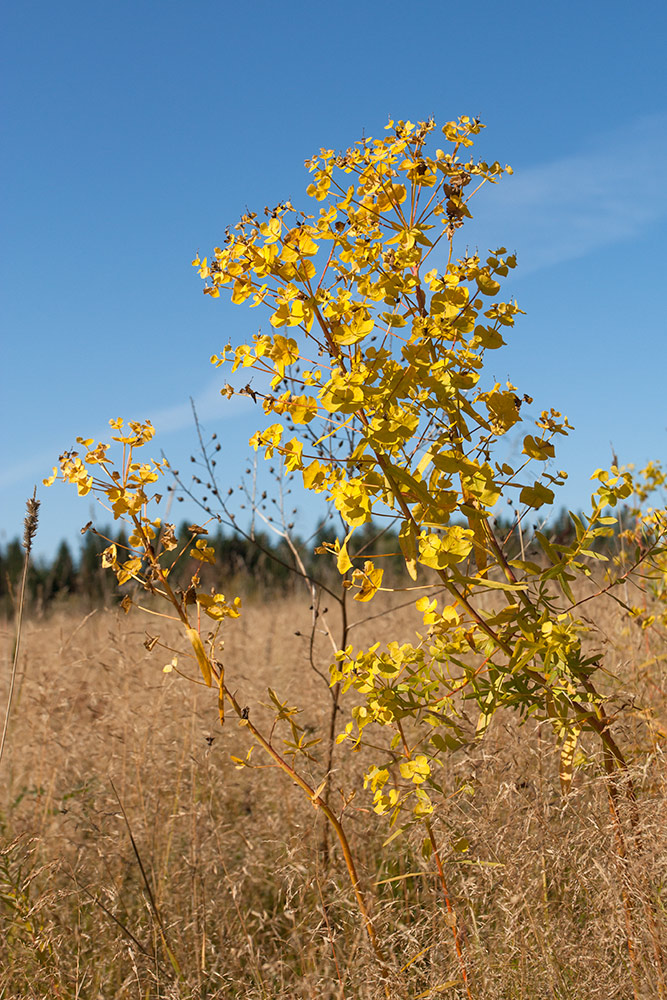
[79, 574]
[266, 561]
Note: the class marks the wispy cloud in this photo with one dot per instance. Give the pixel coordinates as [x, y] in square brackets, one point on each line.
[168, 420]
[610, 192]
[209, 405]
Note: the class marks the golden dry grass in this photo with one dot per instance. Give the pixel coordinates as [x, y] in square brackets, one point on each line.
[248, 906]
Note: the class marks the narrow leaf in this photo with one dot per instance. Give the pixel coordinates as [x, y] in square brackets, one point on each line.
[407, 539]
[567, 758]
[200, 653]
[343, 560]
[221, 695]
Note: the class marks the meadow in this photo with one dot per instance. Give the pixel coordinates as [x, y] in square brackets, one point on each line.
[138, 862]
[451, 781]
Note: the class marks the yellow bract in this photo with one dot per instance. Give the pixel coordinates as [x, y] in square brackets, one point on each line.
[315, 477]
[352, 500]
[368, 580]
[217, 607]
[536, 496]
[203, 552]
[447, 549]
[538, 449]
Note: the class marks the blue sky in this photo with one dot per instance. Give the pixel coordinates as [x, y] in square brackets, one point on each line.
[135, 132]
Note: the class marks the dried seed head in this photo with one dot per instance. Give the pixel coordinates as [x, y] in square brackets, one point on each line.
[31, 519]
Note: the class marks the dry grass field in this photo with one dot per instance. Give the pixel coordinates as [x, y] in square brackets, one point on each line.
[127, 834]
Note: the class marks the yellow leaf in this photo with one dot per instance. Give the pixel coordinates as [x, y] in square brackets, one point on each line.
[487, 285]
[538, 449]
[314, 477]
[303, 409]
[440, 552]
[488, 337]
[292, 453]
[344, 562]
[200, 653]
[369, 580]
[217, 608]
[358, 328]
[269, 439]
[567, 758]
[203, 552]
[536, 496]
[503, 410]
[428, 609]
[284, 352]
[352, 500]
[109, 556]
[407, 539]
[127, 570]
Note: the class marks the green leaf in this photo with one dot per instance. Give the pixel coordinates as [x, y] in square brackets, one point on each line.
[526, 566]
[461, 845]
[397, 833]
[416, 490]
[485, 584]
[547, 547]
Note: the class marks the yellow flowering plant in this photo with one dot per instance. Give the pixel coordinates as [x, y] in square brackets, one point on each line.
[390, 339]
[375, 359]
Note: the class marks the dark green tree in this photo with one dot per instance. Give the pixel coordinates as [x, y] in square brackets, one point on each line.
[62, 576]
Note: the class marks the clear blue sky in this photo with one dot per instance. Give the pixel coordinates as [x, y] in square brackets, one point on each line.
[133, 133]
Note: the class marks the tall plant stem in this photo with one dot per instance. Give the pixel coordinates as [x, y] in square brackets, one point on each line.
[314, 796]
[621, 850]
[17, 645]
[451, 914]
[331, 746]
[312, 587]
[30, 527]
[319, 803]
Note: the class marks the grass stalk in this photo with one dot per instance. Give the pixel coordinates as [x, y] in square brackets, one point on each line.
[149, 892]
[29, 529]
